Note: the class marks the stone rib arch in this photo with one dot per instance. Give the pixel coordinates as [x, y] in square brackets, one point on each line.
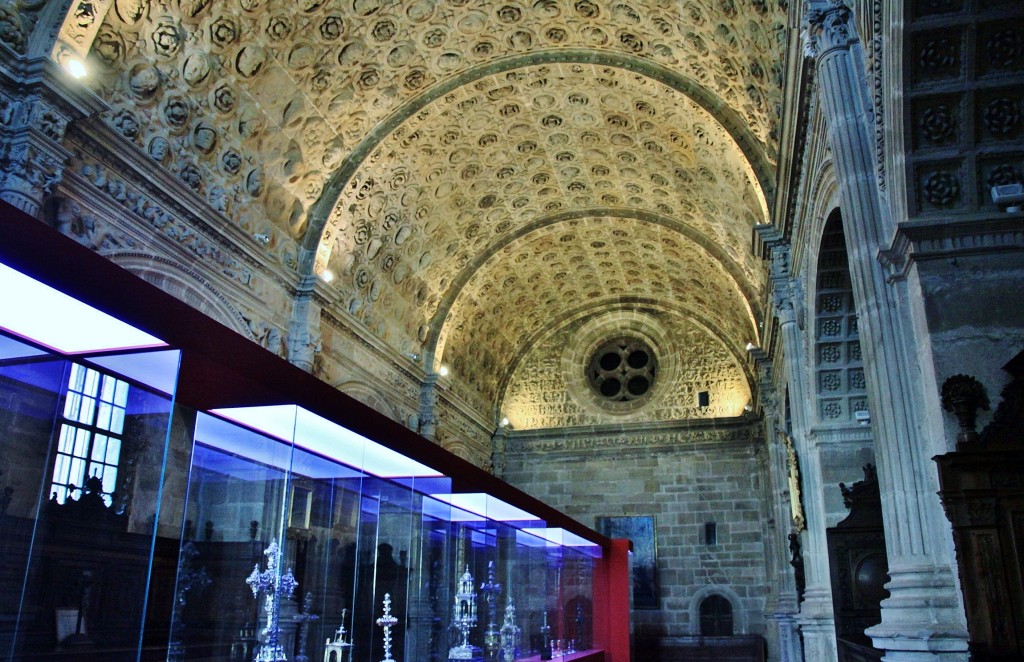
[746, 142]
[459, 283]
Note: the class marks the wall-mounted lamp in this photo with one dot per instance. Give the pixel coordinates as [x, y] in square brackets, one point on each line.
[443, 371]
[75, 67]
[1009, 197]
[503, 422]
[262, 238]
[326, 275]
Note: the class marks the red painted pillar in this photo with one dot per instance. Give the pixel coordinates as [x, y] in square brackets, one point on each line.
[611, 613]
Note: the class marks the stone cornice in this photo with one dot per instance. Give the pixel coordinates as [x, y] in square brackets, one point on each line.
[826, 436]
[724, 433]
[796, 102]
[918, 241]
[127, 161]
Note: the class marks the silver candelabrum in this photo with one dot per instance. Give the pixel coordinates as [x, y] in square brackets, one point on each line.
[491, 590]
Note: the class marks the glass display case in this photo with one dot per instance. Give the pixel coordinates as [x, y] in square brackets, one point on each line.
[148, 516]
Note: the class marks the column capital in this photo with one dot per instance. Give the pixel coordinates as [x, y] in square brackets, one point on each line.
[828, 26]
[32, 161]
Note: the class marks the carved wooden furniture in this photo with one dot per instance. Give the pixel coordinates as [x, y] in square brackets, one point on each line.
[859, 566]
[982, 490]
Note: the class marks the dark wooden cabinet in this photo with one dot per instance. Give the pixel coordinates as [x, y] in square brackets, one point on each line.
[859, 567]
[982, 491]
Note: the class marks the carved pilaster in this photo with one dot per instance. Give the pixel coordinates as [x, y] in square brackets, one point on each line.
[428, 407]
[304, 332]
[816, 617]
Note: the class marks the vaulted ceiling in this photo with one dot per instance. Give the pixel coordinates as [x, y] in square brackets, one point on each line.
[468, 173]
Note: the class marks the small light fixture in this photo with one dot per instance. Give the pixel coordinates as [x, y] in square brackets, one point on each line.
[504, 422]
[751, 346]
[443, 371]
[326, 275]
[75, 67]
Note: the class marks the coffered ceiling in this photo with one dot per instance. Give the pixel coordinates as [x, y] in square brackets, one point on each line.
[466, 173]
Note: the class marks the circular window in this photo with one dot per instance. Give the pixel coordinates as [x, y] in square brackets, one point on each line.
[622, 370]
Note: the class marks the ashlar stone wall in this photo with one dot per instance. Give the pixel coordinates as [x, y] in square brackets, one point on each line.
[684, 474]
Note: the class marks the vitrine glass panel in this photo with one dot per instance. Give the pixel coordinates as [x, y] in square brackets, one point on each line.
[84, 451]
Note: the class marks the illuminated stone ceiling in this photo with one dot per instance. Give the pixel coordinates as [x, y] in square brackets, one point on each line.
[470, 172]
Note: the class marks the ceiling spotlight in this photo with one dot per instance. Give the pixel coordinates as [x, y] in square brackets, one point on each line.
[443, 371]
[326, 275]
[75, 67]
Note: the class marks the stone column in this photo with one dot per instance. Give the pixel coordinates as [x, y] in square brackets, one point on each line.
[498, 442]
[428, 407]
[785, 607]
[816, 618]
[923, 617]
[304, 330]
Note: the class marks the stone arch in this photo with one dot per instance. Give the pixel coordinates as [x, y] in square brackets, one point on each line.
[186, 285]
[451, 296]
[641, 304]
[370, 397]
[837, 359]
[756, 157]
[739, 614]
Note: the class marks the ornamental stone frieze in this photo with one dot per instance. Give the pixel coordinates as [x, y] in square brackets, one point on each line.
[737, 432]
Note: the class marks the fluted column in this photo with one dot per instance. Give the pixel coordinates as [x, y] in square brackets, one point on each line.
[816, 618]
[922, 618]
[785, 607]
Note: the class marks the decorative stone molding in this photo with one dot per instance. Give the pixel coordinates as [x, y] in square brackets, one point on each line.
[941, 240]
[737, 432]
[167, 222]
[739, 614]
[32, 154]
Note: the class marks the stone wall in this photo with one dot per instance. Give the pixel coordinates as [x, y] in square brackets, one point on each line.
[684, 474]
